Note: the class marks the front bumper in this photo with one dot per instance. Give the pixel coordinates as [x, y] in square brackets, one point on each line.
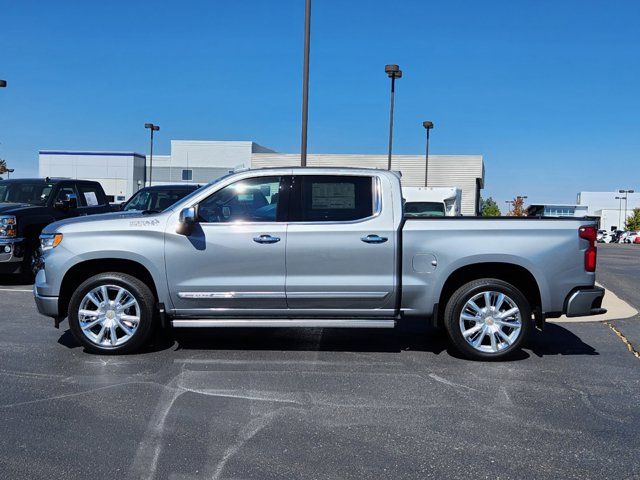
[11, 254]
[585, 301]
[46, 305]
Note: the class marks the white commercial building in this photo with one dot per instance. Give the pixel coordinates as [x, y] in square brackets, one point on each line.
[190, 161]
[612, 211]
[607, 200]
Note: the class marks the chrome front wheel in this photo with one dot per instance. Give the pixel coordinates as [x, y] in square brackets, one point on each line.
[109, 315]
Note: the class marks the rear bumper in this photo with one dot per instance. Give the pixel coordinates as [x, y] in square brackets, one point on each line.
[585, 301]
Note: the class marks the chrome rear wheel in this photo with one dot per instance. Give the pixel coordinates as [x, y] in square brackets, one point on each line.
[490, 321]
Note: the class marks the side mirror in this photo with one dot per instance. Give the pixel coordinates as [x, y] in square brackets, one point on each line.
[186, 221]
[68, 203]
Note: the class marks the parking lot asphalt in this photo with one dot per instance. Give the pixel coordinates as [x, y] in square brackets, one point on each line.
[322, 404]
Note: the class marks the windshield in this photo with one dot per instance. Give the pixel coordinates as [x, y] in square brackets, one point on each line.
[25, 192]
[155, 200]
[424, 209]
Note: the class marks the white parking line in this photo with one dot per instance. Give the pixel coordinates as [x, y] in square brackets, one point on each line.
[15, 290]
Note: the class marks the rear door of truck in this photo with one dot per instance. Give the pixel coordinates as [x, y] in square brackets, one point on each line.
[341, 246]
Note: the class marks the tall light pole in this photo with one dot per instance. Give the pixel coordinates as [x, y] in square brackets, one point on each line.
[152, 128]
[428, 126]
[619, 213]
[626, 196]
[305, 83]
[393, 72]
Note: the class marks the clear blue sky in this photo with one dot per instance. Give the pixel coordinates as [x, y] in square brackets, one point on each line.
[547, 91]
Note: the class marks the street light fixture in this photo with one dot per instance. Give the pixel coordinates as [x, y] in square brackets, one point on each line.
[619, 213]
[626, 196]
[152, 128]
[428, 126]
[3, 83]
[305, 83]
[393, 72]
[9, 172]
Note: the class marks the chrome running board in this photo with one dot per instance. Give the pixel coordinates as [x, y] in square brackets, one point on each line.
[284, 322]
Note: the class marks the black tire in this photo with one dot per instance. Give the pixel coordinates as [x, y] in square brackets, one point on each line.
[143, 295]
[27, 273]
[460, 298]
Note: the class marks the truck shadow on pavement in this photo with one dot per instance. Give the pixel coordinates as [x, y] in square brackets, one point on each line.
[554, 340]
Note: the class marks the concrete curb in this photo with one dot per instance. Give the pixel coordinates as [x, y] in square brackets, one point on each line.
[617, 309]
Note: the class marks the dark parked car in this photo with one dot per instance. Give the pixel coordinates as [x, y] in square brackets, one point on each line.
[28, 205]
[158, 198]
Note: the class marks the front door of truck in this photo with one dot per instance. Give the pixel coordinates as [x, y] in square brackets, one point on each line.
[233, 262]
[341, 246]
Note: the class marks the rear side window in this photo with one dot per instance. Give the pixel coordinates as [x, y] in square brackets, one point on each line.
[331, 198]
[91, 195]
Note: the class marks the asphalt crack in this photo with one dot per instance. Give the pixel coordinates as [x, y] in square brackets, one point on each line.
[624, 339]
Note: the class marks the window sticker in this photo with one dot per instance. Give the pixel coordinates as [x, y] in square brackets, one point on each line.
[91, 199]
[326, 196]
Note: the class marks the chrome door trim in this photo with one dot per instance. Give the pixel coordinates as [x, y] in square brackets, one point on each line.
[232, 295]
[341, 295]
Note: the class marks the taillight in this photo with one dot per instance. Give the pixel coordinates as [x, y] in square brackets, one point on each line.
[589, 233]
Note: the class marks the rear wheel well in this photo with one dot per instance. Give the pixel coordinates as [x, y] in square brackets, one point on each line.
[84, 270]
[518, 276]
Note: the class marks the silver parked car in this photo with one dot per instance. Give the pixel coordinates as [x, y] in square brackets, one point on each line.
[313, 247]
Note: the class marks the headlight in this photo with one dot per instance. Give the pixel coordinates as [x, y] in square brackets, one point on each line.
[50, 240]
[7, 226]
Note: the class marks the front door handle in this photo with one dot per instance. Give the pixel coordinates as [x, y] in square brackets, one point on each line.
[374, 239]
[266, 239]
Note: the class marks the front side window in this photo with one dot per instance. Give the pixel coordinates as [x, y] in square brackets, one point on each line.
[250, 200]
[65, 192]
[332, 198]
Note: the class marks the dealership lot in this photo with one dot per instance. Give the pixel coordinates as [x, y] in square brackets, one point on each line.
[318, 403]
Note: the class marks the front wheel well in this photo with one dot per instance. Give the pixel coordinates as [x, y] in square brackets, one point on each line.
[84, 270]
[516, 275]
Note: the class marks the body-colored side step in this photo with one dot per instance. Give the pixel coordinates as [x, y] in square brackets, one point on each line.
[285, 322]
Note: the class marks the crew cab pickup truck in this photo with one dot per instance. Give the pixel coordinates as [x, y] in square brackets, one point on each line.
[27, 205]
[313, 247]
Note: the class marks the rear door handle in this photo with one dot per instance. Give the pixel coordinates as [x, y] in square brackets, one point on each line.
[266, 239]
[373, 239]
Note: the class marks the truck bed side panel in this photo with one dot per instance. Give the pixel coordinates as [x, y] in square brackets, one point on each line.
[433, 249]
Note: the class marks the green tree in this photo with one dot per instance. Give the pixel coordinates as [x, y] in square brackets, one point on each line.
[490, 208]
[633, 220]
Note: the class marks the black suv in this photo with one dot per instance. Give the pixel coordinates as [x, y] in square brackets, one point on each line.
[28, 205]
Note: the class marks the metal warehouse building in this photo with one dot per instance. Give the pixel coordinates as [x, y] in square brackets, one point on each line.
[123, 173]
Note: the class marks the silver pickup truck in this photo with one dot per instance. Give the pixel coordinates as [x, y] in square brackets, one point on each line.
[313, 247]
